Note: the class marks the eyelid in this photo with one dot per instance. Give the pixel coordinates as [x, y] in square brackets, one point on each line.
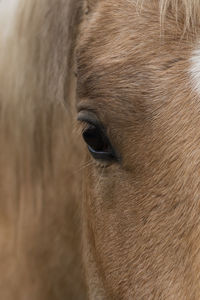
[90, 118]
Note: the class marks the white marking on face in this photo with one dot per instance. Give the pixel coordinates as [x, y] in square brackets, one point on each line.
[195, 69]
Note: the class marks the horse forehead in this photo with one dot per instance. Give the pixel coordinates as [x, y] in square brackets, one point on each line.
[108, 25]
[119, 46]
[110, 37]
[119, 31]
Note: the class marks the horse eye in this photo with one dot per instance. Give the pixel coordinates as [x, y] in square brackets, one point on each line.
[98, 143]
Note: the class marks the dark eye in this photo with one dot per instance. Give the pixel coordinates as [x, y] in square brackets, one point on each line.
[98, 143]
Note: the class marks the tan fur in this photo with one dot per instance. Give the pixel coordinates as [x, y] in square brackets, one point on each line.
[141, 215]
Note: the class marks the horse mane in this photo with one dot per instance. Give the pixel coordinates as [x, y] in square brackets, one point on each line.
[36, 162]
[191, 10]
[36, 56]
[186, 11]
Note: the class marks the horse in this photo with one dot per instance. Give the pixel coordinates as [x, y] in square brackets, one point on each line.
[113, 214]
